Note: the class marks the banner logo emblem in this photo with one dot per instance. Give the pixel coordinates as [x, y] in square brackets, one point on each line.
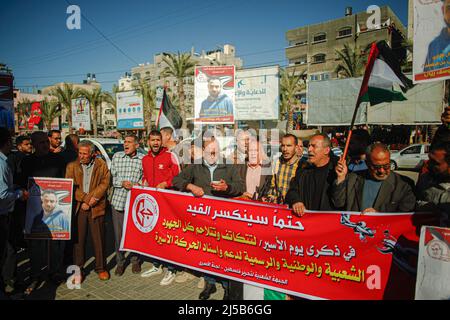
[145, 212]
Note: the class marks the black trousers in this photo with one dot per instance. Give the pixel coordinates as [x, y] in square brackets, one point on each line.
[4, 234]
[46, 257]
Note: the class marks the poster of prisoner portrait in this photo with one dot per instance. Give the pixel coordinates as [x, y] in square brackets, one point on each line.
[214, 94]
[433, 270]
[81, 114]
[431, 40]
[49, 209]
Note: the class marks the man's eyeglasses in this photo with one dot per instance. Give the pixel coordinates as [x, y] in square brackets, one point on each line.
[380, 166]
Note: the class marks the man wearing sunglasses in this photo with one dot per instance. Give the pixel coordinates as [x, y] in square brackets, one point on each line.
[374, 190]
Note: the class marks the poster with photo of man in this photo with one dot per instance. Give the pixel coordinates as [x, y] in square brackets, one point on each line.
[49, 209]
[214, 94]
[431, 40]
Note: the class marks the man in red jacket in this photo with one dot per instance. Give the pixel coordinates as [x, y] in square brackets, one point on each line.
[160, 166]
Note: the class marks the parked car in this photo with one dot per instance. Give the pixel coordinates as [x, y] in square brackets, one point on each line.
[106, 148]
[410, 157]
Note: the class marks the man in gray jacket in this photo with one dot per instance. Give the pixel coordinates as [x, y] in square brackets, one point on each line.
[433, 187]
[214, 178]
[374, 190]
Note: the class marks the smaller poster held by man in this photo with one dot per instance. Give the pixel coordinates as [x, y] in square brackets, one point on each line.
[49, 209]
[214, 94]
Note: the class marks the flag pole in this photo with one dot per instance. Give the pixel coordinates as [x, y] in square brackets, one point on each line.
[365, 81]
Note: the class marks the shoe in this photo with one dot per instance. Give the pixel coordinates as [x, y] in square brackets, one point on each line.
[183, 277]
[168, 278]
[120, 269]
[152, 272]
[210, 288]
[103, 275]
[136, 268]
[201, 283]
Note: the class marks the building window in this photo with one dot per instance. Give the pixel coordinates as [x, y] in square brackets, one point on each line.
[109, 111]
[319, 58]
[345, 32]
[320, 37]
[299, 61]
[298, 43]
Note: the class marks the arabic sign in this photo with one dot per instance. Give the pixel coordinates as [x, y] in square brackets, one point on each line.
[81, 114]
[49, 209]
[433, 271]
[257, 94]
[214, 95]
[130, 110]
[431, 41]
[321, 255]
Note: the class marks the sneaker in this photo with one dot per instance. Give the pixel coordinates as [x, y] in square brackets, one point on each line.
[152, 272]
[201, 283]
[168, 278]
[183, 277]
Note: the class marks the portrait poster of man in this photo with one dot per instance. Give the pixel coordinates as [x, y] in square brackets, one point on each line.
[431, 40]
[214, 94]
[81, 114]
[49, 209]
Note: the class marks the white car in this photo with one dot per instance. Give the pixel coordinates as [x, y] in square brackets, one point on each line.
[410, 157]
[108, 147]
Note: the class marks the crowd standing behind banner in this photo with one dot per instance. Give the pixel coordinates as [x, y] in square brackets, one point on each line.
[323, 182]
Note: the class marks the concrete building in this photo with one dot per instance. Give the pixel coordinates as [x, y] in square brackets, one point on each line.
[151, 72]
[313, 48]
[125, 82]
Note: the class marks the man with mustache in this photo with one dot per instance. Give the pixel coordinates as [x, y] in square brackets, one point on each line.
[376, 189]
[310, 189]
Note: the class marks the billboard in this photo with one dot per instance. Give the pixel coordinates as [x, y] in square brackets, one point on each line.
[6, 101]
[214, 95]
[130, 110]
[81, 114]
[431, 40]
[49, 209]
[257, 94]
[433, 270]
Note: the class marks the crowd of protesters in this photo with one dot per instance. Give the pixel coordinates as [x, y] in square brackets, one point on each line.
[323, 181]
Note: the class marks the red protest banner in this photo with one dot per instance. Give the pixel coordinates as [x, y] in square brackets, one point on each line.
[319, 256]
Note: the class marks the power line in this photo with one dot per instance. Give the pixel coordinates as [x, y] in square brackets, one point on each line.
[78, 49]
[105, 37]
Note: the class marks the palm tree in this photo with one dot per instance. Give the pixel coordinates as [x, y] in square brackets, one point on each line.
[353, 63]
[179, 66]
[50, 111]
[148, 94]
[95, 98]
[64, 94]
[290, 85]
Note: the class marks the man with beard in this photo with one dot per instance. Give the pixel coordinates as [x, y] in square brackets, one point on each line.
[54, 136]
[310, 189]
[159, 166]
[285, 169]
[50, 219]
[217, 104]
[374, 190]
[434, 186]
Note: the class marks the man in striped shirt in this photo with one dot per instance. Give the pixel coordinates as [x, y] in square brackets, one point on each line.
[126, 171]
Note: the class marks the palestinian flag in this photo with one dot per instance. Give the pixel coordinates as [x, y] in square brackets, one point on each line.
[168, 115]
[382, 74]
